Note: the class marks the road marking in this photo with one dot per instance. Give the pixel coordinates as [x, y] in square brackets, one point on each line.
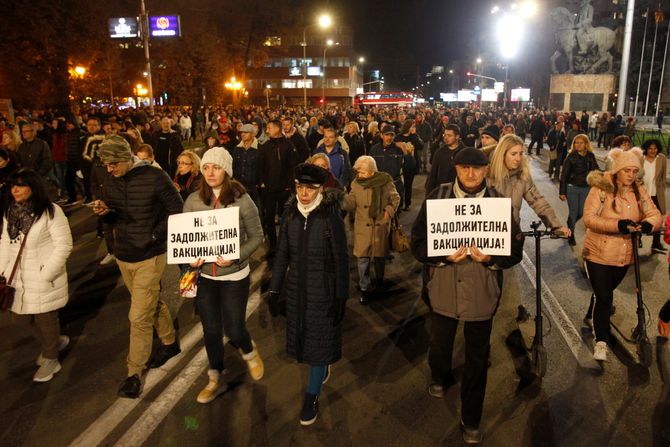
[96, 433]
[552, 307]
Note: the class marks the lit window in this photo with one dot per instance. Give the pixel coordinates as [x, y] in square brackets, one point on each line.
[272, 41]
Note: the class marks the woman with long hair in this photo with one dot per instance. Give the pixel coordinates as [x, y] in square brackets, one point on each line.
[187, 178]
[615, 206]
[573, 185]
[510, 175]
[223, 288]
[37, 228]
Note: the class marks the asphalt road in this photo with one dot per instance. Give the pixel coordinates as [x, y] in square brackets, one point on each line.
[377, 393]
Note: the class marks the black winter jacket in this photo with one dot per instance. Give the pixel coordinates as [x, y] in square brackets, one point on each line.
[276, 159]
[76, 141]
[575, 169]
[35, 155]
[167, 147]
[141, 202]
[442, 169]
[312, 263]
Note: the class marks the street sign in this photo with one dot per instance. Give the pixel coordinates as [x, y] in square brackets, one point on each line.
[123, 28]
[164, 26]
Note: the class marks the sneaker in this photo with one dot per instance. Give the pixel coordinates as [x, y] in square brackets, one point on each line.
[165, 353]
[600, 351]
[325, 379]
[254, 362]
[436, 390]
[217, 385]
[471, 435]
[47, 370]
[130, 388]
[310, 409]
[63, 341]
[108, 259]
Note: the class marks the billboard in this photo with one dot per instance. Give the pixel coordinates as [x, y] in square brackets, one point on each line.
[499, 87]
[123, 27]
[449, 97]
[164, 26]
[314, 71]
[520, 94]
[489, 95]
[466, 96]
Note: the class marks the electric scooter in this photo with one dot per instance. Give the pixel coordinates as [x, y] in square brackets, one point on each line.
[533, 340]
[639, 333]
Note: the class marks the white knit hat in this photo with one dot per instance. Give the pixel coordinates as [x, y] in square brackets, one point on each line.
[625, 159]
[218, 156]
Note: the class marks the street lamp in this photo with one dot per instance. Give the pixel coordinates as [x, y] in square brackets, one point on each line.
[324, 21]
[234, 86]
[329, 43]
[361, 60]
[267, 94]
[80, 71]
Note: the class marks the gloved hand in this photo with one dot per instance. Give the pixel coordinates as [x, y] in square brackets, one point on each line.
[623, 225]
[647, 228]
[273, 303]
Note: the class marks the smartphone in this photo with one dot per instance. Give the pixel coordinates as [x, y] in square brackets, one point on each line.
[93, 205]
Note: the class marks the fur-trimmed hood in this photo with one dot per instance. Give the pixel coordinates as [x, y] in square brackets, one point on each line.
[601, 180]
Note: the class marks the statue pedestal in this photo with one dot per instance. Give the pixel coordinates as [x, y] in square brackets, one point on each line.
[574, 93]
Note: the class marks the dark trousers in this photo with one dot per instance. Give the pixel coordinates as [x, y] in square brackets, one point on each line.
[601, 138]
[473, 386]
[604, 279]
[408, 179]
[86, 168]
[71, 181]
[540, 144]
[272, 204]
[222, 306]
[656, 235]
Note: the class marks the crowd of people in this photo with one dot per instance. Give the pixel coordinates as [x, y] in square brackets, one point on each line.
[296, 176]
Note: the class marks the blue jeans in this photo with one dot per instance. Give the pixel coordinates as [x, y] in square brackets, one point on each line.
[222, 306]
[576, 198]
[316, 376]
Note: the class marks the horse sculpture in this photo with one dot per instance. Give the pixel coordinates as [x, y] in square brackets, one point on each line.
[602, 40]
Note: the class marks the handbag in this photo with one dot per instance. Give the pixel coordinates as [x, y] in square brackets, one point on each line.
[7, 291]
[188, 283]
[399, 240]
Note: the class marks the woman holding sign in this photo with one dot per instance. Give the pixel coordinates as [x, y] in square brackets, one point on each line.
[312, 261]
[223, 289]
[510, 175]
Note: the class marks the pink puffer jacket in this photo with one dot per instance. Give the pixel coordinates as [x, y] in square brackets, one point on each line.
[604, 244]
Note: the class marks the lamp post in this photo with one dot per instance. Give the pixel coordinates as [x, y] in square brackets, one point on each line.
[234, 86]
[267, 95]
[329, 43]
[325, 21]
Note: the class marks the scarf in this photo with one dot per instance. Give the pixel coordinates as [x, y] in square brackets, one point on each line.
[306, 209]
[460, 193]
[20, 217]
[376, 182]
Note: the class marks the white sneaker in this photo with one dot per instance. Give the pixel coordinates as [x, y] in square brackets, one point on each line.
[600, 351]
[108, 259]
[47, 371]
[63, 341]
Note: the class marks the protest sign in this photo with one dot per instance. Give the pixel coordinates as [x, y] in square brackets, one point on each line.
[204, 234]
[485, 223]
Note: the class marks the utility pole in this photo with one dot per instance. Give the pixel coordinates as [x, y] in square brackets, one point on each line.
[625, 57]
[144, 19]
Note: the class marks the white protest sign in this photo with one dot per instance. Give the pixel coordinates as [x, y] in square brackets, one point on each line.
[204, 234]
[485, 223]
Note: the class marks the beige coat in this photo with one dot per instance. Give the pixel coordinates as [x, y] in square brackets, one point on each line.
[604, 244]
[371, 237]
[659, 180]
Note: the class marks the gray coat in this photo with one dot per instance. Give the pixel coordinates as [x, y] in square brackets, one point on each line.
[251, 232]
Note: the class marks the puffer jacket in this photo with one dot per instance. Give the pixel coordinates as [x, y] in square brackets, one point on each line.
[251, 232]
[41, 279]
[468, 290]
[575, 170]
[140, 202]
[371, 236]
[312, 262]
[276, 159]
[518, 189]
[604, 244]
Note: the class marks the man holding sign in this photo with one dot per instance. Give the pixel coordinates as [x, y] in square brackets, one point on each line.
[464, 256]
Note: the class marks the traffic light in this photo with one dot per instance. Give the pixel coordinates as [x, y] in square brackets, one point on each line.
[468, 73]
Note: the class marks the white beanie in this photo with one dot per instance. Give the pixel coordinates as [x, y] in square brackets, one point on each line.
[218, 156]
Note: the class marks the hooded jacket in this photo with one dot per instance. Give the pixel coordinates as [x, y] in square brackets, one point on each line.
[140, 202]
[604, 244]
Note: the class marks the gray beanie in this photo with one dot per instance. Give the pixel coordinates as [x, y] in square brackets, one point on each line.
[218, 156]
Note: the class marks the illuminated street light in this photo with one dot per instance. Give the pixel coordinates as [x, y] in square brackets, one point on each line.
[451, 71]
[528, 8]
[80, 71]
[510, 31]
[495, 9]
[325, 21]
[234, 86]
[479, 60]
[361, 59]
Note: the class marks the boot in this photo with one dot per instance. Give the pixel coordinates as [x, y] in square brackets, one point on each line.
[254, 362]
[217, 385]
[656, 245]
[310, 409]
